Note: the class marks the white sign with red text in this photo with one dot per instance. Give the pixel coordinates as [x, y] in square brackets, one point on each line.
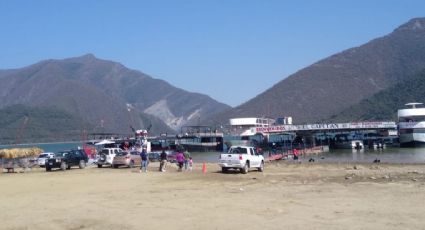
[330, 126]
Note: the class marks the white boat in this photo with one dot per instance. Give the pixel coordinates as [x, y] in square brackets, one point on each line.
[200, 139]
[411, 125]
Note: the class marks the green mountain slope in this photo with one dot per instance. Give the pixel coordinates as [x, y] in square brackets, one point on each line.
[24, 124]
[384, 105]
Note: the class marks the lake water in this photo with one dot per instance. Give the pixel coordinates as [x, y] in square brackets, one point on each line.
[47, 147]
[388, 155]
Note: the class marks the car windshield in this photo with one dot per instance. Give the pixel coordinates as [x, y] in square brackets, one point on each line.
[43, 156]
[61, 154]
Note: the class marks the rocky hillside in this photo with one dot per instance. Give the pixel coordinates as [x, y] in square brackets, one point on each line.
[335, 83]
[105, 94]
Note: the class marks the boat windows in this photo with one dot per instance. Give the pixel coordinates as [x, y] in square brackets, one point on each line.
[420, 130]
[412, 119]
[404, 131]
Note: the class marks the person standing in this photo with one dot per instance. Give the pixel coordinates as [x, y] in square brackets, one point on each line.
[190, 164]
[296, 154]
[180, 160]
[144, 165]
[186, 160]
[163, 161]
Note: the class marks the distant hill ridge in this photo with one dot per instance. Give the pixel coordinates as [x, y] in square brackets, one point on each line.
[333, 84]
[105, 93]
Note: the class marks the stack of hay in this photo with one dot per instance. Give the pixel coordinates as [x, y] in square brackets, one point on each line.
[20, 152]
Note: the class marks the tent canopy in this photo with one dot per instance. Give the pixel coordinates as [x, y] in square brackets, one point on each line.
[104, 142]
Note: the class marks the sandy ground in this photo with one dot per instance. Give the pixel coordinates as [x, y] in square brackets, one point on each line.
[285, 196]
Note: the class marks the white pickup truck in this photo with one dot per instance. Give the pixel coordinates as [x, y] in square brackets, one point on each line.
[242, 158]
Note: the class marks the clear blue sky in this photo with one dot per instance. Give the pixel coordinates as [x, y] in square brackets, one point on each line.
[230, 50]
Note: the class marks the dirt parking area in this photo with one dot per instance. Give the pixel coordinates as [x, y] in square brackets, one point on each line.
[284, 196]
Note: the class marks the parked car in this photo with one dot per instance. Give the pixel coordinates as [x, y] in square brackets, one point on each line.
[42, 158]
[242, 158]
[154, 156]
[106, 156]
[66, 159]
[126, 158]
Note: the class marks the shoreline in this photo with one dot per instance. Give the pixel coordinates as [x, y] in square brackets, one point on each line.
[198, 166]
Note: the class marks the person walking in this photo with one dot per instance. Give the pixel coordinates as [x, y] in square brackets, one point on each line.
[163, 161]
[180, 160]
[144, 165]
[186, 160]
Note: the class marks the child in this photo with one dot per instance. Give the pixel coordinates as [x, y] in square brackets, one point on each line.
[190, 164]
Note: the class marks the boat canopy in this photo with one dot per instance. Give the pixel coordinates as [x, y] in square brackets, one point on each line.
[104, 142]
[413, 104]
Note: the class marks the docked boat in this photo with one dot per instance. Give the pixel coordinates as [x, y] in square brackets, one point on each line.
[200, 139]
[350, 144]
[347, 141]
[411, 125]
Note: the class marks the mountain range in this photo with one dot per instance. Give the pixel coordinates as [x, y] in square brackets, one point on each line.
[105, 94]
[369, 82]
[322, 90]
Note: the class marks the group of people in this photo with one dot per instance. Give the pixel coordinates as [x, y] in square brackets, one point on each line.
[182, 158]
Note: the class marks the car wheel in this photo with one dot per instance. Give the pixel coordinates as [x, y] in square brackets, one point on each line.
[224, 169]
[114, 166]
[48, 169]
[131, 164]
[261, 168]
[64, 166]
[245, 168]
[99, 165]
[82, 164]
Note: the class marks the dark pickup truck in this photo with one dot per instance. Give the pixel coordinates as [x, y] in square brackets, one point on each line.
[66, 159]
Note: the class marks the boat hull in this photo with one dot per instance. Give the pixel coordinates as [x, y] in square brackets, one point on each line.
[412, 144]
[412, 140]
[413, 137]
[411, 126]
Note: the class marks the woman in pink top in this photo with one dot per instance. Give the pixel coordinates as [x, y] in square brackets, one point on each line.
[180, 160]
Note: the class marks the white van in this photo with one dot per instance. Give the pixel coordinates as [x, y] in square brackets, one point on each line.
[106, 156]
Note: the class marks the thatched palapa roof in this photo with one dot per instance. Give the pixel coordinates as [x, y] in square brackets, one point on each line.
[20, 152]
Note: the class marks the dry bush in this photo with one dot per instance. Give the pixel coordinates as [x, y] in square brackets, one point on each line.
[20, 152]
